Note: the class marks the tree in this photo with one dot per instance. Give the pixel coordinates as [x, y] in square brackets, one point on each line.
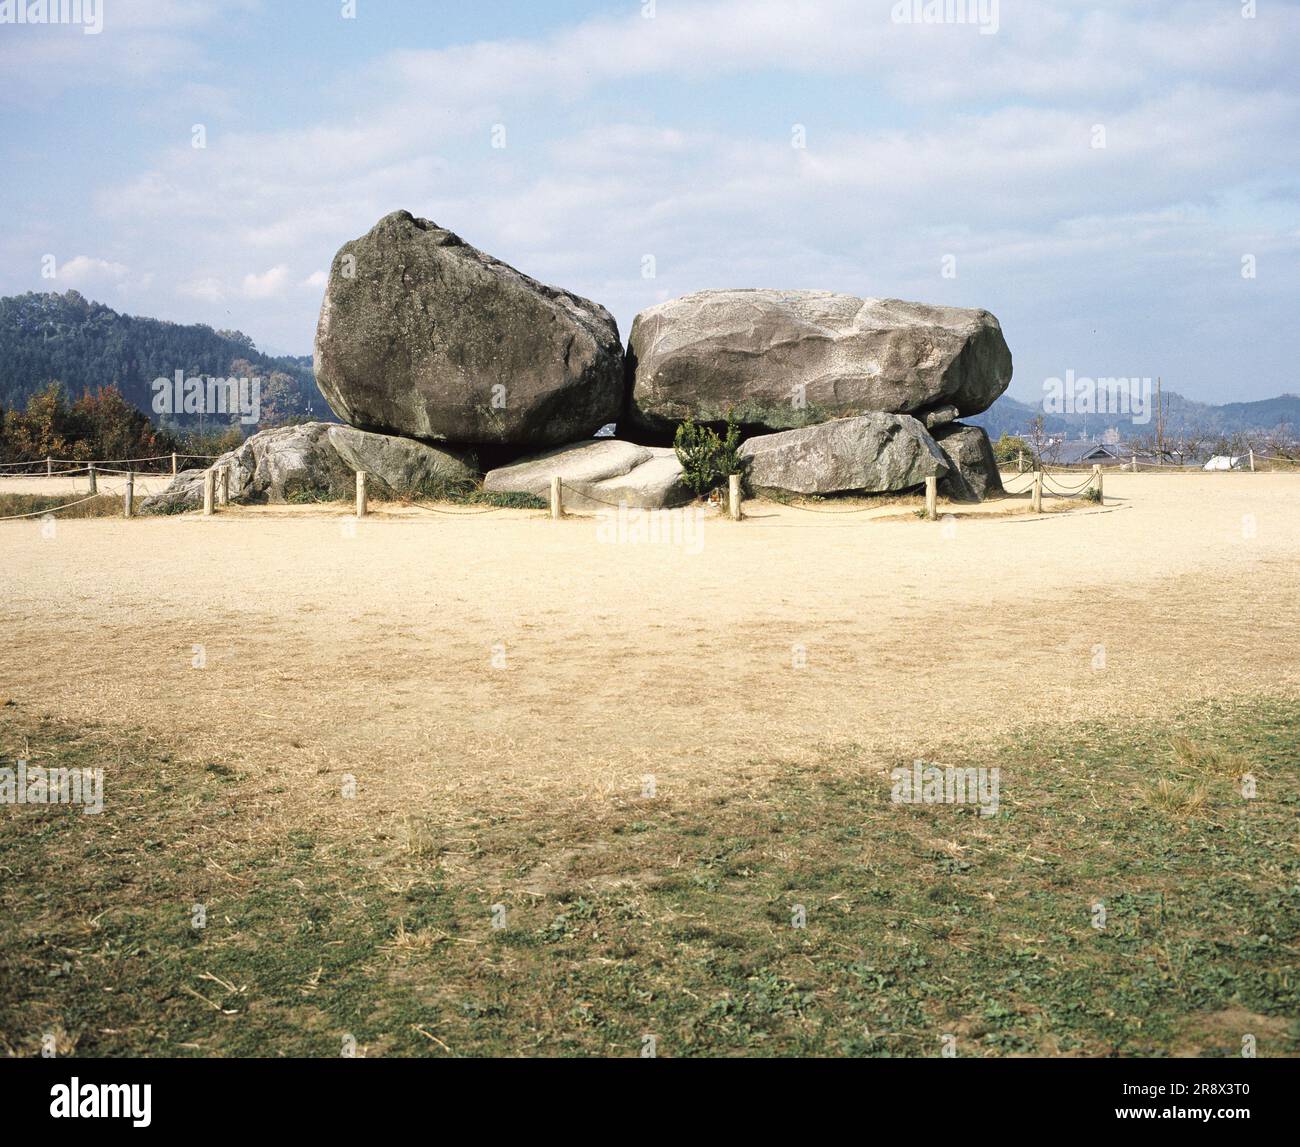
[1011, 448]
[1038, 435]
[282, 400]
[1188, 445]
[707, 460]
[48, 428]
[99, 426]
[110, 427]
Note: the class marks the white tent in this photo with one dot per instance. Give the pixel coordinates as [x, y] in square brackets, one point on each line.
[1227, 462]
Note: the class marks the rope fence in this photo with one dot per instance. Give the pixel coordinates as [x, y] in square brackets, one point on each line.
[79, 465]
[216, 488]
[50, 509]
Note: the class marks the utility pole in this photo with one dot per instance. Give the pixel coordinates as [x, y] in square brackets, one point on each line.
[1160, 425]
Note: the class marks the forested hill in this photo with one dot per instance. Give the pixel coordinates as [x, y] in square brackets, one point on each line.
[86, 345]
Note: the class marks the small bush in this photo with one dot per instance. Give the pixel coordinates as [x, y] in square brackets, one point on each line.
[1011, 448]
[707, 459]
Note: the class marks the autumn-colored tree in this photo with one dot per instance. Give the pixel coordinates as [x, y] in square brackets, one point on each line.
[99, 426]
[47, 428]
[111, 427]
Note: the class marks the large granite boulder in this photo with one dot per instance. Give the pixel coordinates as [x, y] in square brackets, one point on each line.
[877, 453]
[599, 475]
[422, 335]
[401, 465]
[973, 471]
[184, 492]
[318, 460]
[287, 464]
[785, 359]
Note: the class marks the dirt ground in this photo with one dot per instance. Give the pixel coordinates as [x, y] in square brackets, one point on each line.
[444, 656]
[79, 484]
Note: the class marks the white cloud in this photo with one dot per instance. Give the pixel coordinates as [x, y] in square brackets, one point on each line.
[268, 284]
[208, 290]
[85, 271]
[930, 140]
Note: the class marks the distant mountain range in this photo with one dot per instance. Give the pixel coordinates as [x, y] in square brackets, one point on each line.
[84, 345]
[1183, 416]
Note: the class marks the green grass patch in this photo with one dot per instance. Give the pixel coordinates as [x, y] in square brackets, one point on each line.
[675, 916]
[469, 493]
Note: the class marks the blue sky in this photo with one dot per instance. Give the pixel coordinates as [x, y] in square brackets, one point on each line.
[667, 129]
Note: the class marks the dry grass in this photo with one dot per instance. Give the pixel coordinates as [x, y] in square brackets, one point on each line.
[579, 929]
[53, 507]
[1208, 759]
[1196, 768]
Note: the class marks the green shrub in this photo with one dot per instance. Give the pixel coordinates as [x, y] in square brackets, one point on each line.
[1010, 448]
[706, 458]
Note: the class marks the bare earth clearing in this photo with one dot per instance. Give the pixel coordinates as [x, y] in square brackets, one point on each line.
[500, 685]
[372, 654]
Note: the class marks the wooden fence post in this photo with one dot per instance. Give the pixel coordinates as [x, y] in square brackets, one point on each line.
[49, 466]
[932, 499]
[94, 484]
[173, 463]
[1252, 459]
[128, 505]
[557, 498]
[362, 503]
[209, 489]
[1020, 461]
[1096, 482]
[733, 497]
[1036, 501]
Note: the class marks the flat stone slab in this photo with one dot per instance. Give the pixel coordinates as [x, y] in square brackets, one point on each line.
[598, 475]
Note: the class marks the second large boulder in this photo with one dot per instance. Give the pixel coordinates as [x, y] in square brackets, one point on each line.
[422, 335]
[877, 453]
[783, 359]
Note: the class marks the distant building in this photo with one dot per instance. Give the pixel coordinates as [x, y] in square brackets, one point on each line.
[1096, 454]
[1079, 453]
